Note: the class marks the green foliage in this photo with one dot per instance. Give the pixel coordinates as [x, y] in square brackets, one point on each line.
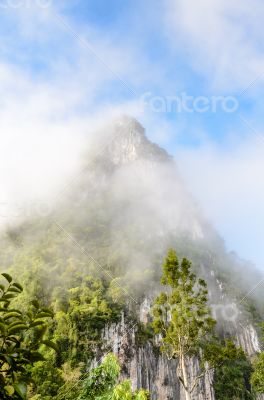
[217, 352]
[78, 326]
[182, 318]
[47, 380]
[144, 334]
[102, 384]
[181, 315]
[21, 336]
[101, 380]
[232, 381]
[117, 290]
[82, 310]
[123, 391]
[81, 313]
[59, 276]
[232, 370]
[257, 378]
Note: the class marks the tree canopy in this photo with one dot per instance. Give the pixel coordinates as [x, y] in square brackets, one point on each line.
[101, 384]
[257, 378]
[183, 321]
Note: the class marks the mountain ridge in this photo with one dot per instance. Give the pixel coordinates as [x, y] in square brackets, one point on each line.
[124, 140]
[127, 209]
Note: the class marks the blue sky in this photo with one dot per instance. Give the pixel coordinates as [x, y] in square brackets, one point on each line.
[65, 66]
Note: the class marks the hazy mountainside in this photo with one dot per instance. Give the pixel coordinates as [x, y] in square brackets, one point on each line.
[114, 222]
[131, 189]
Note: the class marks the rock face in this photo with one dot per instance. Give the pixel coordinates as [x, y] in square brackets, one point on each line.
[149, 369]
[149, 210]
[127, 142]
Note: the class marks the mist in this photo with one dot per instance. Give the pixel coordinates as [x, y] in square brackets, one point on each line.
[50, 116]
[127, 130]
[128, 204]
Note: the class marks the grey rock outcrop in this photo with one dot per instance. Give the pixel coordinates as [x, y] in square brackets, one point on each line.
[147, 368]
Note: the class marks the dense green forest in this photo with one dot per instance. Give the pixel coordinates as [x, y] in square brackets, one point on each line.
[89, 264]
[51, 332]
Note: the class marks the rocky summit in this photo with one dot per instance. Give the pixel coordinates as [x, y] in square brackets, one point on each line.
[96, 260]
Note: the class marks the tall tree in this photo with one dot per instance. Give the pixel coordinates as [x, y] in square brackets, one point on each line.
[182, 317]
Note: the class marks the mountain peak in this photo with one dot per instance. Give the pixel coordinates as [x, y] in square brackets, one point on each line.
[125, 122]
[128, 142]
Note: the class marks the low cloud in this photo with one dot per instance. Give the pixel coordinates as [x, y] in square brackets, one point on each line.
[222, 39]
[228, 184]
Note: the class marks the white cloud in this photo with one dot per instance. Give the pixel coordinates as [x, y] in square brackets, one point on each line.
[229, 185]
[46, 117]
[48, 110]
[223, 39]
